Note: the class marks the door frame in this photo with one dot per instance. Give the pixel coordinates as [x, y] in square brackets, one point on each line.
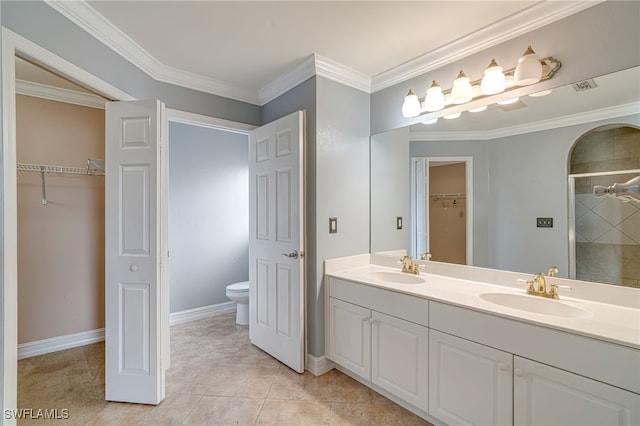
[15, 45]
[468, 168]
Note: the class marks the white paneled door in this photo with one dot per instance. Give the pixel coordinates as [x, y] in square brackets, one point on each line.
[276, 239]
[135, 287]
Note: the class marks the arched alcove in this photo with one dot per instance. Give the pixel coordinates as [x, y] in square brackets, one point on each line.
[604, 231]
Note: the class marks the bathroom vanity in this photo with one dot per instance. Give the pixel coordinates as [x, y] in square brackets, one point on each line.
[466, 345]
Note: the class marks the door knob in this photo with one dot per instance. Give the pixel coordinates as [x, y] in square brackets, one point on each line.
[292, 255]
[133, 268]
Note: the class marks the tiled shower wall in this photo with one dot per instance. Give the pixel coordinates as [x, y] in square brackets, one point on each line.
[607, 229]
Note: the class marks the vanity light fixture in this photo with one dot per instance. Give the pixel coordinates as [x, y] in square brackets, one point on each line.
[462, 92]
[530, 70]
[432, 121]
[452, 116]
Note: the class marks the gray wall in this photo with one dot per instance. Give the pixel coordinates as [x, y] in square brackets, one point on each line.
[390, 190]
[44, 26]
[342, 182]
[600, 40]
[528, 175]
[208, 214]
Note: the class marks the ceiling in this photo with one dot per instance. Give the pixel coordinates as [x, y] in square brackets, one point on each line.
[249, 44]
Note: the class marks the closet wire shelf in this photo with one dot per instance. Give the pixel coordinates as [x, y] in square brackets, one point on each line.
[95, 167]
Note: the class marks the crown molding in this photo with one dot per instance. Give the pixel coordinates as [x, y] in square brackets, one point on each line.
[87, 18]
[553, 123]
[525, 21]
[335, 71]
[543, 13]
[44, 91]
[288, 80]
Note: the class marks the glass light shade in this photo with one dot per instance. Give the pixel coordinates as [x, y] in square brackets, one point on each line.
[452, 116]
[529, 69]
[509, 101]
[479, 109]
[411, 105]
[432, 121]
[434, 101]
[462, 91]
[494, 80]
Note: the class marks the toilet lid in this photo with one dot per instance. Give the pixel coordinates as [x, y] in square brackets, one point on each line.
[239, 287]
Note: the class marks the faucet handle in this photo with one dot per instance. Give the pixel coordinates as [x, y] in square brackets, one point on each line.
[529, 283]
[553, 271]
[425, 256]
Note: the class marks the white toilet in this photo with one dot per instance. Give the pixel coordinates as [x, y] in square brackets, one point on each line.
[239, 293]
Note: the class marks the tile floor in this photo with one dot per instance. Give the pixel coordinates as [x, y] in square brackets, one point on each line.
[216, 377]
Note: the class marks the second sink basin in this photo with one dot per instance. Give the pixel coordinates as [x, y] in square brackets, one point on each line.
[396, 277]
[536, 305]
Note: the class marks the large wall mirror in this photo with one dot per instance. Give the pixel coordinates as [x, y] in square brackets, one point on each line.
[516, 160]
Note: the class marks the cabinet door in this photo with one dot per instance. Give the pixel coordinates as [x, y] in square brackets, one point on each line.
[545, 395]
[399, 351]
[469, 383]
[350, 337]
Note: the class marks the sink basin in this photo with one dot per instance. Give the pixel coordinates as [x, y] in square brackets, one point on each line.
[536, 305]
[396, 277]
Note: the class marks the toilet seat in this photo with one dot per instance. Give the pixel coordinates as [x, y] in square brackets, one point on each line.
[238, 287]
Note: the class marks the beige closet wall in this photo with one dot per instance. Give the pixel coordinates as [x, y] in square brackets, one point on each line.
[60, 245]
[447, 217]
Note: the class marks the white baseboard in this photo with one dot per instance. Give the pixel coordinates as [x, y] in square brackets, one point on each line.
[319, 365]
[201, 313]
[60, 343]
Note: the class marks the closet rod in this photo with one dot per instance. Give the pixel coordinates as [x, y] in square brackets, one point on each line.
[95, 167]
[449, 195]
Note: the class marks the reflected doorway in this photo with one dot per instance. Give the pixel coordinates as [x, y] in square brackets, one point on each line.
[441, 209]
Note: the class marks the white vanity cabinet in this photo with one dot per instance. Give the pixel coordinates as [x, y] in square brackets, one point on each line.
[469, 383]
[380, 345]
[544, 395]
[350, 337]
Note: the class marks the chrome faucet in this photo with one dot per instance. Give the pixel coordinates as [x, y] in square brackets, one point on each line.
[409, 266]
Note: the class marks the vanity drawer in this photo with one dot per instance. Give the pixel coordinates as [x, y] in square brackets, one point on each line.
[399, 305]
[607, 362]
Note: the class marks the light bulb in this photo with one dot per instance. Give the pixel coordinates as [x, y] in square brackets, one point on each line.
[529, 69]
[494, 80]
[434, 101]
[411, 105]
[462, 91]
[432, 121]
[452, 116]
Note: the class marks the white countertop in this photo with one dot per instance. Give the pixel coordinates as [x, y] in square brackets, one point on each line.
[603, 321]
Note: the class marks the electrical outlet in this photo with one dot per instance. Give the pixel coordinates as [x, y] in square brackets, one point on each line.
[333, 225]
[399, 222]
[544, 222]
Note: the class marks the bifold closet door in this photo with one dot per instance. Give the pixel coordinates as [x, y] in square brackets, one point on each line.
[135, 274]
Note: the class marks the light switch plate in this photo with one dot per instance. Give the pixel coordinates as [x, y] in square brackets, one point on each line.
[333, 225]
[399, 222]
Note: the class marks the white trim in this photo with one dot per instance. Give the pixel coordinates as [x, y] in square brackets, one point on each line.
[319, 365]
[58, 94]
[60, 343]
[201, 313]
[288, 80]
[530, 19]
[194, 119]
[553, 123]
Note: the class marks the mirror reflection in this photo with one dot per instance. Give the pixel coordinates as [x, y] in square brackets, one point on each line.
[519, 161]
